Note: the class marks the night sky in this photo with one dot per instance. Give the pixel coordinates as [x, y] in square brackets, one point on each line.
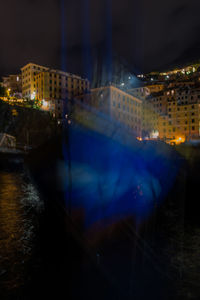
[147, 34]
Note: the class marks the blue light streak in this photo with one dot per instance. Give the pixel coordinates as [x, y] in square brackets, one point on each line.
[111, 181]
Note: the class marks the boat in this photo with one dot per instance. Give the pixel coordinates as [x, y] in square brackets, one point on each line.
[10, 156]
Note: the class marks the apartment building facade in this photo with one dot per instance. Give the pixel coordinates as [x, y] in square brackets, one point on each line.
[13, 84]
[120, 106]
[29, 72]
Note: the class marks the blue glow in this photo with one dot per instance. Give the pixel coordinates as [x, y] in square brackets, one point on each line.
[110, 181]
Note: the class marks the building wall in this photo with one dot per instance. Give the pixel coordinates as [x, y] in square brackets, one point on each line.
[13, 84]
[181, 121]
[55, 84]
[28, 79]
[120, 105]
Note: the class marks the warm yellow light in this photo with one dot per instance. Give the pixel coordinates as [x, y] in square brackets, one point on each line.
[139, 138]
[179, 140]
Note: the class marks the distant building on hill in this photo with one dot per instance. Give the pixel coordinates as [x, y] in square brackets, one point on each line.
[13, 85]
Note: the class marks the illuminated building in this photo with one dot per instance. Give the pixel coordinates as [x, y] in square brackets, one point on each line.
[120, 105]
[181, 121]
[13, 84]
[28, 79]
[143, 92]
[174, 113]
[55, 86]
[52, 86]
[140, 92]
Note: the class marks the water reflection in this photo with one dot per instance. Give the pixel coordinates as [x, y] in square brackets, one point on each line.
[19, 206]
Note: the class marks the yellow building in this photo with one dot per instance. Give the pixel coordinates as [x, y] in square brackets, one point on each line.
[173, 113]
[13, 84]
[154, 88]
[54, 86]
[154, 105]
[28, 79]
[51, 87]
[121, 106]
[181, 121]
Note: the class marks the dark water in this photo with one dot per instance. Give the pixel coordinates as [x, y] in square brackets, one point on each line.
[40, 259]
[20, 209]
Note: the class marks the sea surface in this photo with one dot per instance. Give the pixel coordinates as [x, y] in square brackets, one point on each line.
[20, 212]
[40, 259]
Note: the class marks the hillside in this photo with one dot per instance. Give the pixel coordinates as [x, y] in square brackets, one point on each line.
[29, 126]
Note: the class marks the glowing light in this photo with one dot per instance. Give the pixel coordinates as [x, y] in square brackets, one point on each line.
[139, 138]
[69, 122]
[177, 141]
[33, 96]
[154, 134]
[44, 103]
[17, 78]
[122, 83]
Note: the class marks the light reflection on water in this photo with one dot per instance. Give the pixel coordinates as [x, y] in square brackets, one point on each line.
[19, 208]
